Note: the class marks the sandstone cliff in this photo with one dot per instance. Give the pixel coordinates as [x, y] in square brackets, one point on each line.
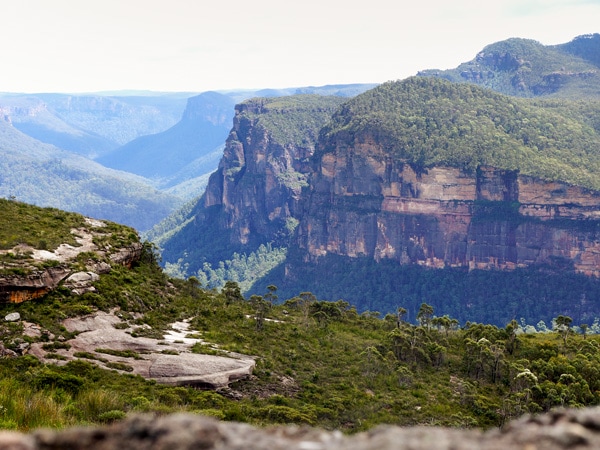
[364, 203]
[265, 164]
[253, 196]
[418, 172]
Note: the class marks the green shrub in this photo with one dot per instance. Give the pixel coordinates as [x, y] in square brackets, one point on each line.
[112, 416]
[47, 378]
[93, 403]
[119, 366]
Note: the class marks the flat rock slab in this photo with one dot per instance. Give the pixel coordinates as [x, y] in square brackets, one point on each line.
[168, 361]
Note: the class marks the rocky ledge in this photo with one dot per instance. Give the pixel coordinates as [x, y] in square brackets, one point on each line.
[564, 429]
[42, 270]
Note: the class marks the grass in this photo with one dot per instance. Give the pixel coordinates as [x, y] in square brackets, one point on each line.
[42, 228]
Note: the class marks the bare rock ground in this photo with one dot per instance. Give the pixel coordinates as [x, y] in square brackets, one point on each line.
[168, 360]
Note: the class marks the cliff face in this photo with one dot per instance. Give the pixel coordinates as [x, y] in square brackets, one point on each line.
[348, 179]
[258, 184]
[364, 203]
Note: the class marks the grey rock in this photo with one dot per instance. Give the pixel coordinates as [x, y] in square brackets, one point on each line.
[6, 351]
[81, 282]
[12, 317]
[82, 278]
[182, 367]
[10, 440]
[98, 267]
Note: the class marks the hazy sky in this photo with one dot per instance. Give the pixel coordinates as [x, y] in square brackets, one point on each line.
[199, 45]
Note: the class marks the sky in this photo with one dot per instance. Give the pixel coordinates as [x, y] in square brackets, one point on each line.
[76, 46]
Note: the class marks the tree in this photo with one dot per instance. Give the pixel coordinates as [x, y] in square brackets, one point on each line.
[563, 326]
[194, 285]
[511, 340]
[424, 315]
[270, 296]
[583, 327]
[400, 316]
[232, 292]
[260, 310]
[444, 322]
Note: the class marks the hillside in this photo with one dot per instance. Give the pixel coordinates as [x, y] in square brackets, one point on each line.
[313, 362]
[526, 68]
[429, 123]
[47, 176]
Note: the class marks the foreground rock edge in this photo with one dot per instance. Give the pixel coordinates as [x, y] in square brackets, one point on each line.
[560, 429]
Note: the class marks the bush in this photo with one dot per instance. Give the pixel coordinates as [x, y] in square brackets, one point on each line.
[112, 416]
[69, 383]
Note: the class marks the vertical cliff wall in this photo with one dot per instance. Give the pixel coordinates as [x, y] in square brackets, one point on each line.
[265, 165]
[362, 202]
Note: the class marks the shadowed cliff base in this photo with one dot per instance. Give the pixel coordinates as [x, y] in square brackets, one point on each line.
[484, 296]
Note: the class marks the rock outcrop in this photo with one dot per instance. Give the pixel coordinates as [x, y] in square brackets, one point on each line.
[105, 339]
[563, 429]
[28, 279]
[363, 203]
[20, 288]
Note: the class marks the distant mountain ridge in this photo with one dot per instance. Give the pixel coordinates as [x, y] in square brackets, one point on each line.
[193, 140]
[90, 125]
[42, 174]
[526, 68]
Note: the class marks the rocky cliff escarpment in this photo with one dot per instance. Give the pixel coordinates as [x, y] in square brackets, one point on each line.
[419, 172]
[364, 203]
[265, 165]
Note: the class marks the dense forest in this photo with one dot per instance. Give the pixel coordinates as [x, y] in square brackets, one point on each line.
[431, 122]
[528, 295]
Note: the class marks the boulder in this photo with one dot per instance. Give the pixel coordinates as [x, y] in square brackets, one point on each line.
[13, 317]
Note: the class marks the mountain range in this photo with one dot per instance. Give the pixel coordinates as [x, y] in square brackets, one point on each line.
[419, 182]
[526, 68]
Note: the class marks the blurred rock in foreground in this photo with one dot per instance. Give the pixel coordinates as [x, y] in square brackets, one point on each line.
[572, 429]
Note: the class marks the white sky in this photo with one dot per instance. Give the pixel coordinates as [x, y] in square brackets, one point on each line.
[200, 45]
